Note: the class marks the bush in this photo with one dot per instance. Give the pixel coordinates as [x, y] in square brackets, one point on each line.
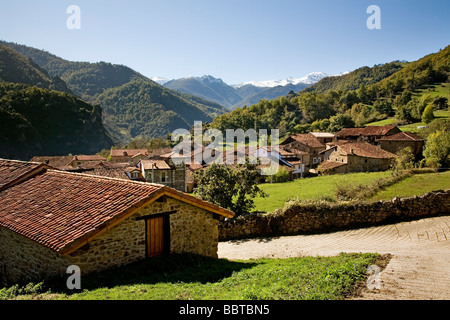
[16, 290]
[282, 175]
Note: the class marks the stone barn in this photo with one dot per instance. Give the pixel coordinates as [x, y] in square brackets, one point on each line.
[51, 219]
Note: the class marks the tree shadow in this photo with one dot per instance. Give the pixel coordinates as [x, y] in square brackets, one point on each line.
[173, 268]
[257, 239]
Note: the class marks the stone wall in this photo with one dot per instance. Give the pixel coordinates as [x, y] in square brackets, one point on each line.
[325, 217]
[192, 230]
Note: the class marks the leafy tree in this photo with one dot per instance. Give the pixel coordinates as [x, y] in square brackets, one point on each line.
[341, 121]
[440, 103]
[437, 149]
[404, 159]
[282, 175]
[428, 114]
[231, 189]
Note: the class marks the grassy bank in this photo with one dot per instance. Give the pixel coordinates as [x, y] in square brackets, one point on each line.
[322, 187]
[415, 185]
[192, 277]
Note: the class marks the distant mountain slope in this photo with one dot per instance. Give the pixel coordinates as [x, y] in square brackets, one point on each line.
[248, 93]
[141, 107]
[353, 80]
[206, 87]
[93, 82]
[271, 93]
[36, 121]
[16, 68]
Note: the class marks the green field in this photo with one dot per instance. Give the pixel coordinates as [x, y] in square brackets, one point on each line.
[413, 127]
[311, 188]
[325, 187]
[384, 122]
[415, 186]
[186, 277]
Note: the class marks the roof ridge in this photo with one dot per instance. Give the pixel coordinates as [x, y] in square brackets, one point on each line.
[106, 178]
[20, 161]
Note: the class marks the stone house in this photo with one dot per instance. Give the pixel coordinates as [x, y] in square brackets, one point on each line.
[370, 134]
[52, 219]
[395, 143]
[300, 143]
[164, 171]
[355, 157]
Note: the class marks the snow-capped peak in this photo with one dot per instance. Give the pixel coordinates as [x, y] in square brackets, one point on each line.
[308, 79]
[160, 80]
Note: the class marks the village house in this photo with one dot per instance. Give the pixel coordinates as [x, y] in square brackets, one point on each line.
[349, 157]
[370, 134]
[305, 143]
[399, 141]
[296, 164]
[52, 219]
[164, 171]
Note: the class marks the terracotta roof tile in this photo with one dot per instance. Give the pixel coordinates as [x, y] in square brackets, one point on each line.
[57, 162]
[11, 170]
[89, 158]
[128, 152]
[367, 131]
[328, 165]
[308, 140]
[365, 150]
[155, 164]
[58, 209]
[403, 136]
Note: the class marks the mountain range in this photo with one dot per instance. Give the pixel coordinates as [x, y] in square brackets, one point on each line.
[239, 95]
[131, 103]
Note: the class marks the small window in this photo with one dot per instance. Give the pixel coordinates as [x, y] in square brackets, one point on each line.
[164, 177]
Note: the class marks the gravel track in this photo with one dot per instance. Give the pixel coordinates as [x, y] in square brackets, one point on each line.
[420, 249]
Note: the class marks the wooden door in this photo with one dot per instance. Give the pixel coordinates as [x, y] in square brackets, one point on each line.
[155, 236]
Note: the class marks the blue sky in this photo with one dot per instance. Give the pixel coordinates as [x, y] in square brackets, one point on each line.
[236, 40]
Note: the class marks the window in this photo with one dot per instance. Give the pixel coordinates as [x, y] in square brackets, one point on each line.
[164, 177]
[134, 175]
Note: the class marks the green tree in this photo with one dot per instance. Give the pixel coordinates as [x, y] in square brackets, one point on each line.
[428, 114]
[233, 189]
[437, 149]
[404, 159]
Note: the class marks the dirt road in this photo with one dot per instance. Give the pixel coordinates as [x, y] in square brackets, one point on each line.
[419, 268]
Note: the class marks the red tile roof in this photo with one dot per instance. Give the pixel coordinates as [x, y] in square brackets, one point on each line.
[156, 164]
[128, 152]
[366, 150]
[403, 136]
[367, 131]
[329, 165]
[62, 210]
[90, 158]
[57, 162]
[11, 170]
[308, 140]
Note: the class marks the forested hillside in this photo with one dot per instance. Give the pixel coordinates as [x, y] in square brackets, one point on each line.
[16, 68]
[35, 121]
[356, 78]
[360, 97]
[147, 108]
